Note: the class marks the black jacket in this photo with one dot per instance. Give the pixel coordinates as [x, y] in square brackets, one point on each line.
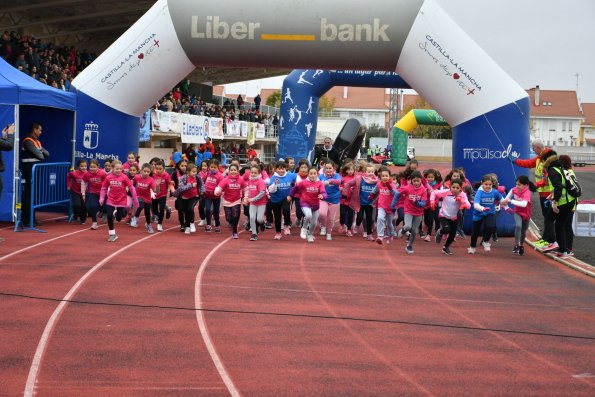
[5, 145]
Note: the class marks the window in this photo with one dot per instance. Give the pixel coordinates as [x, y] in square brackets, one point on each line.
[570, 126]
[563, 126]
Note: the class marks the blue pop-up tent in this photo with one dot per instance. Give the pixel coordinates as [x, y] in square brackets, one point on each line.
[24, 100]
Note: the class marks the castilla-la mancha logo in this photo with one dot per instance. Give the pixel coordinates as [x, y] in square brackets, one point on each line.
[488, 154]
[91, 135]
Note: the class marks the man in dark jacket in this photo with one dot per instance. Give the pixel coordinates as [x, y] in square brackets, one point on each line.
[327, 151]
[31, 153]
[6, 144]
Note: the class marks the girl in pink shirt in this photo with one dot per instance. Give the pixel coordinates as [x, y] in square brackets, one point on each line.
[77, 187]
[179, 172]
[202, 173]
[130, 160]
[232, 189]
[191, 186]
[163, 186]
[415, 201]
[345, 211]
[520, 197]
[115, 187]
[212, 201]
[257, 198]
[312, 191]
[94, 179]
[145, 189]
[386, 192]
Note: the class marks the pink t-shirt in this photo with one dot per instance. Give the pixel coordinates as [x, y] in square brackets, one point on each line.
[411, 194]
[211, 182]
[126, 166]
[193, 191]
[385, 195]
[255, 186]
[144, 187]
[95, 180]
[74, 180]
[310, 191]
[522, 195]
[117, 186]
[232, 188]
[162, 181]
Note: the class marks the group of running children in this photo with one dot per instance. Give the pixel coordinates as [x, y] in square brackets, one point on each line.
[361, 193]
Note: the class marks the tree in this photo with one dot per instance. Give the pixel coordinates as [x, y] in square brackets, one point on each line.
[274, 99]
[427, 131]
[375, 131]
[326, 104]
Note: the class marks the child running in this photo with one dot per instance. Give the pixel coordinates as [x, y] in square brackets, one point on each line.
[232, 189]
[312, 191]
[203, 172]
[179, 172]
[212, 202]
[281, 184]
[190, 188]
[360, 188]
[416, 198]
[302, 173]
[77, 187]
[431, 215]
[345, 212]
[164, 185]
[257, 199]
[329, 206]
[453, 200]
[94, 179]
[145, 187]
[520, 197]
[484, 214]
[387, 201]
[113, 193]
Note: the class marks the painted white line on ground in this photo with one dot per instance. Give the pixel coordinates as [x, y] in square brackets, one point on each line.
[49, 327]
[202, 325]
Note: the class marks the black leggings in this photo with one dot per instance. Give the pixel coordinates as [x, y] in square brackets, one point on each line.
[188, 208]
[201, 209]
[429, 217]
[79, 209]
[232, 215]
[159, 208]
[180, 209]
[212, 207]
[448, 226]
[563, 226]
[367, 210]
[120, 213]
[146, 206]
[346, 215]
[299, 214]
[489, 226]
[282, 207]
[92, 203]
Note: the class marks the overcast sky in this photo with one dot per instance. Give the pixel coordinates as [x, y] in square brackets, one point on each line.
[537, 42]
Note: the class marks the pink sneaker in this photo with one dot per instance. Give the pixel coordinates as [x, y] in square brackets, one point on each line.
[379, 240]
[348, 233]
[370, 238]
[428, 238]
[340, 229]
[287, 230]
[277, 236]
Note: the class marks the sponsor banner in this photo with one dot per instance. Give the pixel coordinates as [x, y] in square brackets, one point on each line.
[251, 138]
[164, 121]
[243, 129]
[441, 61]
[259, 130]
[215, 128]
[118, 78]
[194, 129]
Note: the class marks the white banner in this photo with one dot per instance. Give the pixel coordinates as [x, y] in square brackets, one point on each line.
[233, 128]
[164, 118]
[259, 130]
[215, 128]
[243, 129]
[194, 129]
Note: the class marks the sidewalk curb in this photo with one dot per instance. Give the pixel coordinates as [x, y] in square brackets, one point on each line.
[573, 263]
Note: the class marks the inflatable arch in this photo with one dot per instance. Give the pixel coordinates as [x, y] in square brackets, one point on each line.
[488, 111]
[407, 124]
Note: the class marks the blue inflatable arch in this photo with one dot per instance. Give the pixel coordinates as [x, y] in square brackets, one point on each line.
[489, 112]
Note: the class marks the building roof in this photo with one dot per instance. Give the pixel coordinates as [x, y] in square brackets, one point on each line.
[589, 113]
[555, 103]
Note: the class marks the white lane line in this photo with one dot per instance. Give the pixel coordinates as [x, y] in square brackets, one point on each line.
[49, 327]
[202, 325]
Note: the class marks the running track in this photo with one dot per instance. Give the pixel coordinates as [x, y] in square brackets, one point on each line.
[346, 317]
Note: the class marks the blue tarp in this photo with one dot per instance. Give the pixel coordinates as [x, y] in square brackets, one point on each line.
[16, 88]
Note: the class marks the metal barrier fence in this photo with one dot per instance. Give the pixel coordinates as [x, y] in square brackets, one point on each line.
[48, 187]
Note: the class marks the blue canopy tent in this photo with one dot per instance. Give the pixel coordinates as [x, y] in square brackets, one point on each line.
[23, 100]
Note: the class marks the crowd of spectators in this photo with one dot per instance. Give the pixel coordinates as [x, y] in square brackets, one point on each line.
[54, 66]
[180, 101]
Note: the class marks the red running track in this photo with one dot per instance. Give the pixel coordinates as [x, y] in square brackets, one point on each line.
[341, 317]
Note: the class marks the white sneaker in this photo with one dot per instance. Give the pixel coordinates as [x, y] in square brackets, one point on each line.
[192, 228]
[486, 246]
[94, 226]
[187, 230]
[470, 250]
[134, 222]
[159, 227]
[303, 233]
[202, 222]
[328, 237]
[323, 231]
[310, 238]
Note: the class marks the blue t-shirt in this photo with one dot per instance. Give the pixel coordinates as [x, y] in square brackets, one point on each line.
[365, 190]
[487, 200]
[333, 192]
[283, 187]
